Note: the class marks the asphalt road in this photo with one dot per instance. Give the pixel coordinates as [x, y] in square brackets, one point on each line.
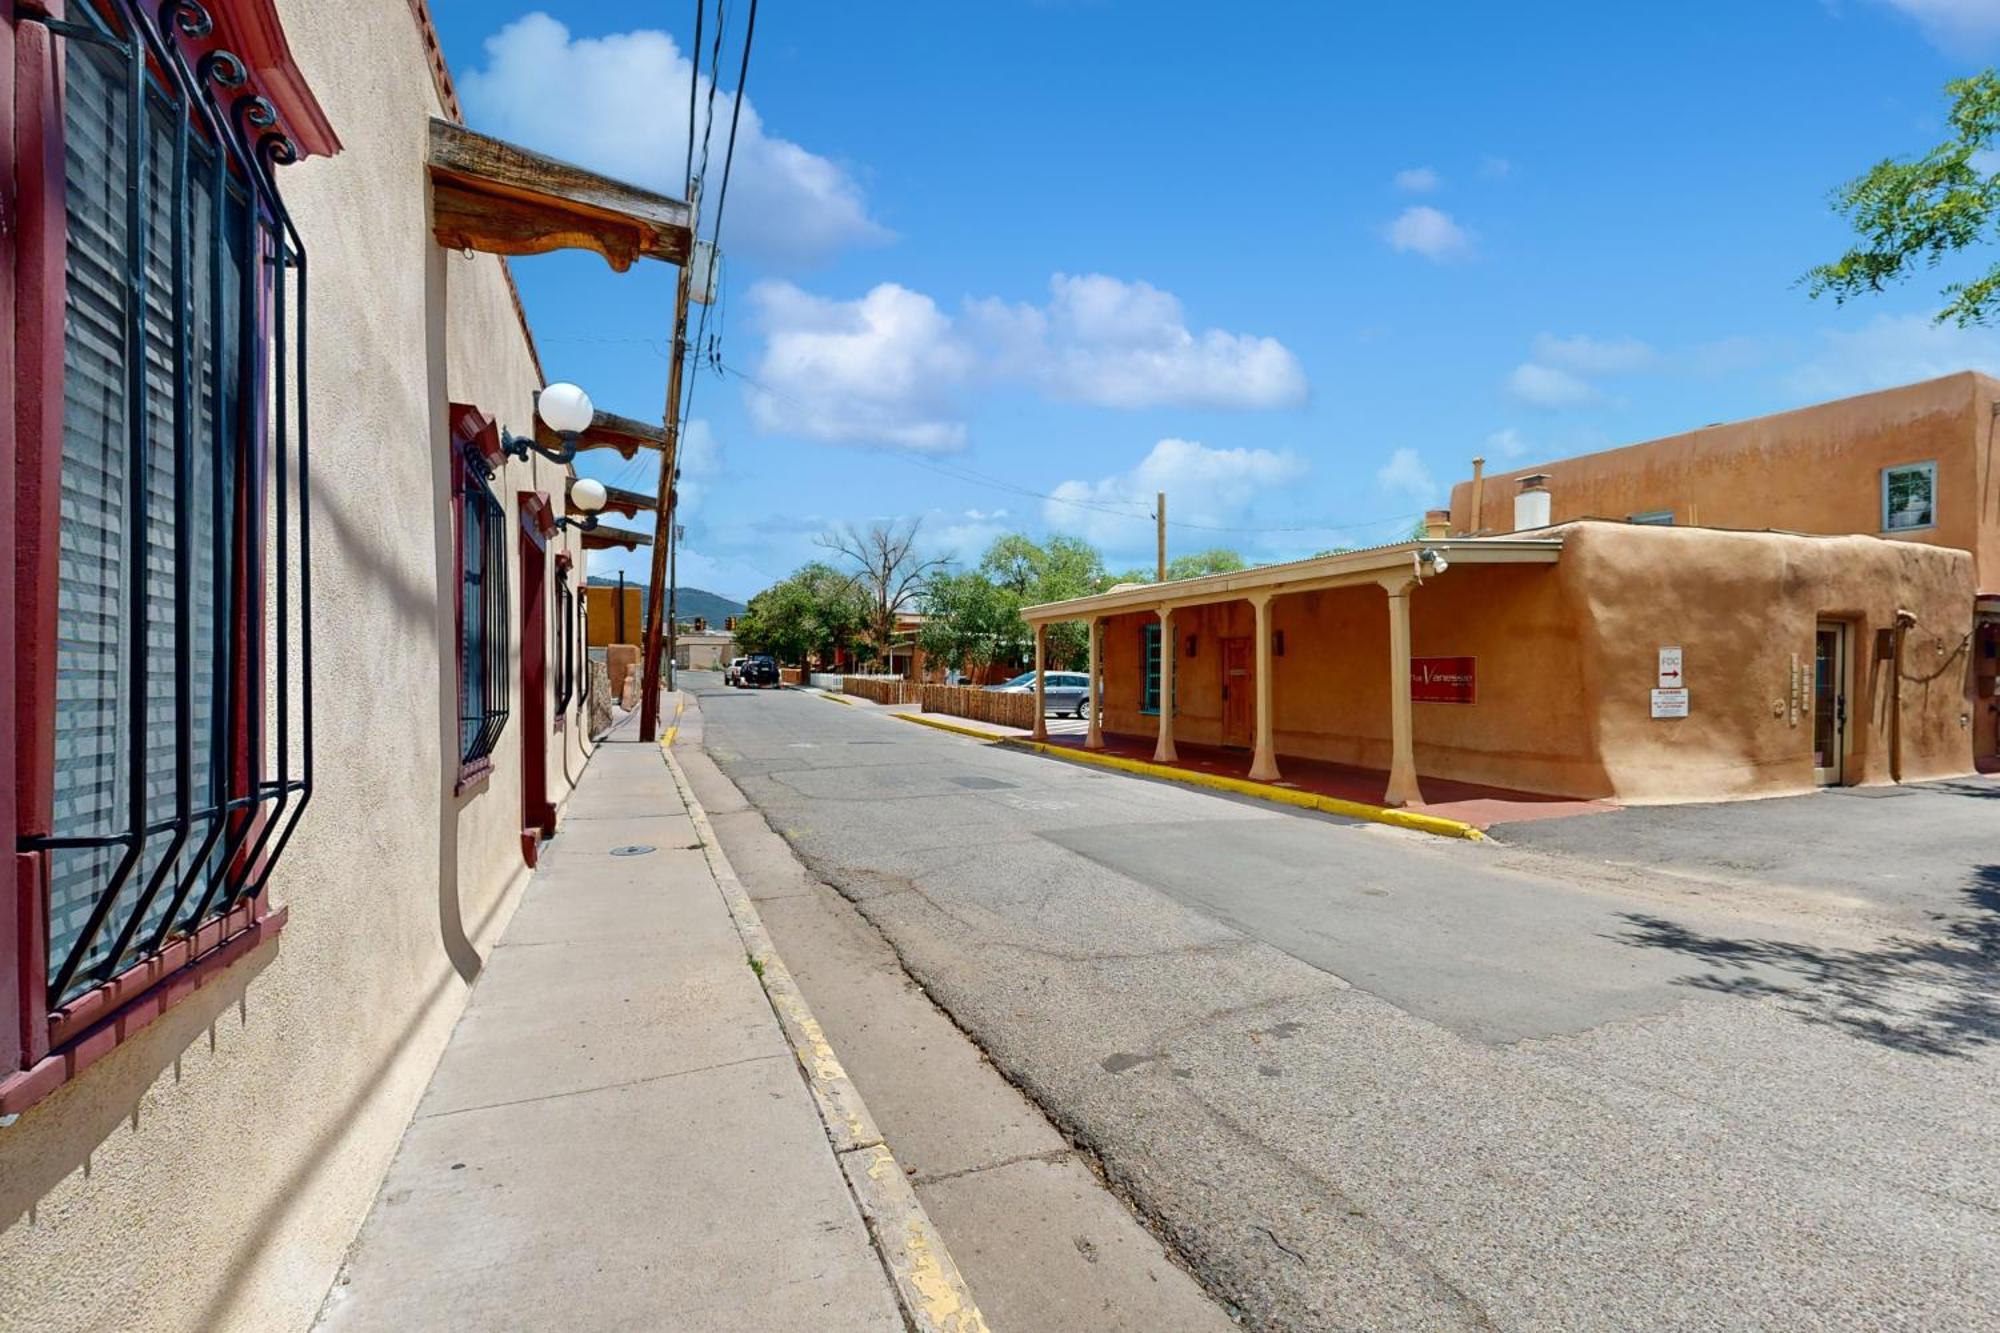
[1363, 1078]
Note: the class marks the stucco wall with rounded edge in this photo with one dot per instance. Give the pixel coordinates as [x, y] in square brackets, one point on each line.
[1740, 605]
[1567, 658]
[210, 1172]
[1816, 469]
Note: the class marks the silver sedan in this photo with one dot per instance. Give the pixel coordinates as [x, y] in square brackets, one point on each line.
[1063, 692]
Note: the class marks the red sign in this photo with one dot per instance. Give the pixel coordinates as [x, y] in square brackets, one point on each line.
[1442, 680]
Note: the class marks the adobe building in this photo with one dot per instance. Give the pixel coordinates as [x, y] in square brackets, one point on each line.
[271, 795]
[1570, 653]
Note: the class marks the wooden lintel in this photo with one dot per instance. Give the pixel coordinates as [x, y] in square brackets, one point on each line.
[629, 503]
[497, 198]
[604, 535]
[608, 430]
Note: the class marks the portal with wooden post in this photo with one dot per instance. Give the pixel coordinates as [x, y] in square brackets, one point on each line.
[1163, 749]
[1041, 682]
[1403, 789]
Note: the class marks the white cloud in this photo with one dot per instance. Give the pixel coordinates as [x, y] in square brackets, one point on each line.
[887, 368]
[1112, 343]
[1892, 350]
[1405, 475]
[1495, 168]
[1203, 485]
[1429, 232]
[963, 541]
[700, 460]
[1585, 355]
[1418, 180]
[618, 104]
[1506, 443]
[1957, 27]
[1545, 386]
[880, 369]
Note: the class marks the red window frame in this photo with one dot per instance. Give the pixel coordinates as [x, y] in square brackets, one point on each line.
[43, 1047]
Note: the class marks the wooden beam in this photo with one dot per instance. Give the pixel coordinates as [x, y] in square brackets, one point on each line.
[604, 536]
[618, 500]
[498, 198]
[608, 430]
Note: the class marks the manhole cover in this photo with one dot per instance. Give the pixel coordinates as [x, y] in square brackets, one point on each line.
[631, 849]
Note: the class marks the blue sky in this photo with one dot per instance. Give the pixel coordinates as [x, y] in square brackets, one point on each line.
[1017, 265]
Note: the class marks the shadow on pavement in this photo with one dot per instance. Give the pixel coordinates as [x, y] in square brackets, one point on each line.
[1925, 996]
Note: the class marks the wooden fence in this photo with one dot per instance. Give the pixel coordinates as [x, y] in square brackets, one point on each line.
[880, 689]
[1007, 710]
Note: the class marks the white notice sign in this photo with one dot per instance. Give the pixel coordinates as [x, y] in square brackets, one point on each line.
[1670, 703]
[1670, 670]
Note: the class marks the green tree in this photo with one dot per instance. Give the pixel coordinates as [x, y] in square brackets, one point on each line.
[809, 616]
[1917, 213]
[1215, 560]
[970, 621]
[1050, 571]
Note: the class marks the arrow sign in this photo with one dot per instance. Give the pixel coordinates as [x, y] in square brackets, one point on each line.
[1670, 668]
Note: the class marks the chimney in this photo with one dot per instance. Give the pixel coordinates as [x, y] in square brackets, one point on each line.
[1531, 506]
[1437, 523]
[1478, 524]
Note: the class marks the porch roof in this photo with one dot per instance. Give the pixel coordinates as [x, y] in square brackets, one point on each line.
[1320, 571]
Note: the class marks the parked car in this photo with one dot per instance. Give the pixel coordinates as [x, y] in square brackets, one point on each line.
[1063, 692]
[729, 672]
[757, 672]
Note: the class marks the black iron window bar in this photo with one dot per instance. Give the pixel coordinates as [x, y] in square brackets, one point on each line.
[566, 648]
[207, 386]
[485, 678]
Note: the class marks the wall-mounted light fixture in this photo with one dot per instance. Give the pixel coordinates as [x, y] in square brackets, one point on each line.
[564, 409]
[586, 497]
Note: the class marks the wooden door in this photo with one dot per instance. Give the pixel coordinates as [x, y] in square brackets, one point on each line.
[1830, 704]
[1239, 692]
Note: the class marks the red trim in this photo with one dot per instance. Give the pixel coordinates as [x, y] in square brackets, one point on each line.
[469, 425]
[538, 815]
[473, 774]
[164, 989]
[539, 517]
[251, 29]
[36, 247]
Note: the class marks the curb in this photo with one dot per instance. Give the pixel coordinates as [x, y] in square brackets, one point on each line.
[925, 720]
[674, 727]
[816, 692]
[1263, 791]
[929, 1288]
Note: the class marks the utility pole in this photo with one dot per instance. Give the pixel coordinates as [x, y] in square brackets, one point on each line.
[663, 528]
[1160, 517]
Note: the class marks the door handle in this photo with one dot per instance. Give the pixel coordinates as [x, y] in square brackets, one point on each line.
[1840, 709]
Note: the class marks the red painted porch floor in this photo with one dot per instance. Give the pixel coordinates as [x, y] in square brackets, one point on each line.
[1468, 802]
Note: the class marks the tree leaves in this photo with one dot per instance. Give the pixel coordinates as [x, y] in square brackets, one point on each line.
[1915, 214]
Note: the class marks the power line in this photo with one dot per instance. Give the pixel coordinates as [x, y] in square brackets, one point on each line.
[694, 84]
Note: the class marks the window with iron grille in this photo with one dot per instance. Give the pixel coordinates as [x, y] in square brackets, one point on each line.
[566, 633]
[483, 615]
[178, 726]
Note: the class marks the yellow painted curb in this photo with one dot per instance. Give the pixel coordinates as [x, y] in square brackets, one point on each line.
[925, 720]
[928, 1285]
[1263, 791]
[824, 694]
[674, 728]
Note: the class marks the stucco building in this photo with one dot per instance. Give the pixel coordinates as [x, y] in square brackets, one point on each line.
[1812, 614]
[271, 799]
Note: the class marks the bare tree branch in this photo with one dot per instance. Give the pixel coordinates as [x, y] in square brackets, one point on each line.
[889, 570]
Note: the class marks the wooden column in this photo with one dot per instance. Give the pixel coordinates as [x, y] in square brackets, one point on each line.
[1041, 681]
[1264, 758]
[1403, 789]
[1163, 751]
[1093, 738]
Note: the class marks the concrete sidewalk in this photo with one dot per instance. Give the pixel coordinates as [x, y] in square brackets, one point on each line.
[618, 1135]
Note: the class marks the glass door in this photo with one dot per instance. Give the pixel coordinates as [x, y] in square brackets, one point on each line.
[1829, 704]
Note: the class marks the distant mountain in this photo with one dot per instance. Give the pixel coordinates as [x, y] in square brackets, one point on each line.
[689, 603]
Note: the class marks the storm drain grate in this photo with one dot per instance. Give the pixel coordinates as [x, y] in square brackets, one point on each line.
[632, 849]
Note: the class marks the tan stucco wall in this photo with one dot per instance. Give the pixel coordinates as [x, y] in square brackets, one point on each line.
[1817, 469]
[209, 1174]
[1568, 655]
